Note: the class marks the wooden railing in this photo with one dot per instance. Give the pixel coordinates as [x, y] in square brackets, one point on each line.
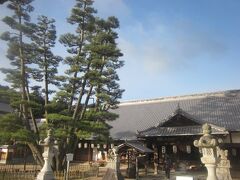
[76, 171]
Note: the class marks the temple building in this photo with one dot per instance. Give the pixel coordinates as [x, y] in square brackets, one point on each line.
[170, 125]
[5, 108]
[5, 150]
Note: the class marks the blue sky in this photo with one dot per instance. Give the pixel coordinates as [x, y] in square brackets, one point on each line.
[171, 47]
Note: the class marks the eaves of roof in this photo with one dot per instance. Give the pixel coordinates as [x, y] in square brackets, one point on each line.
[137, 145]
[179, 131]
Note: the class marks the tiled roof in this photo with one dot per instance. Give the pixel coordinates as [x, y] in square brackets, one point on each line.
[219, 108]
[137, 145]
[178, 131]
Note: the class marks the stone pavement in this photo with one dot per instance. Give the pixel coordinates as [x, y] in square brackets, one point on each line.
[198, 175]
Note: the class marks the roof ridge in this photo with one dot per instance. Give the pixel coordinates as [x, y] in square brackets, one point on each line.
[181, 112]
[180, 97]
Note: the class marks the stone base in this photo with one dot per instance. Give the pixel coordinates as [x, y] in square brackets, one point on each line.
[48, 175]
[112, 175]
[211, 168]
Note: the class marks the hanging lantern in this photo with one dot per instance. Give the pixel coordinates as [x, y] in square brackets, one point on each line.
[79, 145]
[163, 149]
[234, 152]
[174, 149]
[104, 146]
[92, 145]
[112, 145]
[98, 146]
[85, 145]
[188, 147]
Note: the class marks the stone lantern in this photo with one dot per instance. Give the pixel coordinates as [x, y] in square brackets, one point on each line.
[208, 145]
[46, 172]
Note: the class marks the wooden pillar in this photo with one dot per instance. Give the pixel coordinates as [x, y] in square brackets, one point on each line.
[146, 164]
[155, 158]
[230, 137]
[89, 153]
[128, 159]
[137, 167]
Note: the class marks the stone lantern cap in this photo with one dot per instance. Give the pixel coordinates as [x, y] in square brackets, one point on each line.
[207, 140]
[49, 140]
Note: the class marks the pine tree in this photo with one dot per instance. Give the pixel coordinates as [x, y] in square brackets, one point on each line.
[20, 53]
[92, 74]
[93, 65]
[3, 1]
[44, 39]
[17, 52]
[106, 61]
[82, 16]
[102, 78]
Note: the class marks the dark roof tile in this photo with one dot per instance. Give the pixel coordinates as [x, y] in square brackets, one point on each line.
[220, 108]
[177, 131]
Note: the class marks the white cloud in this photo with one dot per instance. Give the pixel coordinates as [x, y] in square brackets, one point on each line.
[166, 47]
[107, 8]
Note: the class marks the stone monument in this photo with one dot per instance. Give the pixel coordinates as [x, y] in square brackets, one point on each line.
[46, 172]
[113, 171]
[112, 159]
[223, 166]
[208, 144]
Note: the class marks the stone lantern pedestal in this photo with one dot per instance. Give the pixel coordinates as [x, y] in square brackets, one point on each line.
[208, 144]
[113, 166]
[46, 172]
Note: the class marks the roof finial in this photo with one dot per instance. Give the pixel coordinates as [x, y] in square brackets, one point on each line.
[178, 105]
[178, 110]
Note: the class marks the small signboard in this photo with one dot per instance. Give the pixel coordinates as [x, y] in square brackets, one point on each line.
[69, 156]
[184, 178]
[163, 149]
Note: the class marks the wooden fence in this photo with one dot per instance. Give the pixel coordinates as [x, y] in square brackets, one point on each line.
[76, 172]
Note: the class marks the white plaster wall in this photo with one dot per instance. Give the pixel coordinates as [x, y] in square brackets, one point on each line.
[226, 139]
[236, 137]
[95, 154]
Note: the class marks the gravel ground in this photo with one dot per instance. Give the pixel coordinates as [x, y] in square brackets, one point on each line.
[198, 175]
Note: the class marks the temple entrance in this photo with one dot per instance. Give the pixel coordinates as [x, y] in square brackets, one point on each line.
[133, 155]
[183, 155]
[174, 137]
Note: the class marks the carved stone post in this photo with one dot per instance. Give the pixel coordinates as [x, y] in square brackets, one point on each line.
[114, 163]
[117, 163]
[46, 172]
[112, 159]
[223, 166]
[208, 144]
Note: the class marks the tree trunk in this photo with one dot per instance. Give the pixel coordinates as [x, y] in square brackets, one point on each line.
[86, 102]
[23, 77]
[35, 128]
[76, 111]
[79, 53]
[46, 84]
[61, 159]
[72, 93]
[90, 91]
[36, 152]
[97, 99]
